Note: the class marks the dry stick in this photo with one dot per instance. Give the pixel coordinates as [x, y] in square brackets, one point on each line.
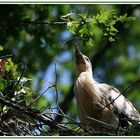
[49, 22]
[81, 125]
[45, 107]
[56, 79]
[39, 96]
[68, 118]
[6, 56]
[137, 81]
[34, 114]
[43, 23]
[104, 123]
[63, 114]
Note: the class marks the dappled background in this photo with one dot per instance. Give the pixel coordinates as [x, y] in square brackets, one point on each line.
[42, 45]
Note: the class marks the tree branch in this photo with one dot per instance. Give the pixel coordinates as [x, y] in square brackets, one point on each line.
[33, 114]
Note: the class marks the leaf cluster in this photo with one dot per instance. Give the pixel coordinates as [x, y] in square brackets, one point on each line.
[93, 28]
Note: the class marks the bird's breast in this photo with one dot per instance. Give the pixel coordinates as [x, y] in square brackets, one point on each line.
[87, 96]
[91, 100]
[85, 86]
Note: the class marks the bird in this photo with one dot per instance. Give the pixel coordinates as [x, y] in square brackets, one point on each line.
[101, 107]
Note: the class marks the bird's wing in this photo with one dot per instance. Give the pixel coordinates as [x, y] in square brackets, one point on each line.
[120, 104]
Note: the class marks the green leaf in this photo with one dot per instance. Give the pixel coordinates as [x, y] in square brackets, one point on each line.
[73, 28]
[90, 43]
[1, 48]
[113, 29]
[83, 30]
[131, 18]
[104, 16]
[111, 39]
[0, 108]
[105, 34]
[83, 15]
[122, 18]
[112, 34]
[1, 86]
[7, 67]
[28, 91]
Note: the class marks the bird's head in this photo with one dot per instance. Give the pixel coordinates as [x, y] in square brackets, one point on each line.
[82, 62]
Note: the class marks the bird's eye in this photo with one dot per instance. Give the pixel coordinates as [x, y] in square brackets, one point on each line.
[87, 59]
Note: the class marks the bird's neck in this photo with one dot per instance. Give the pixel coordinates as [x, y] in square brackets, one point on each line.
[88, 73]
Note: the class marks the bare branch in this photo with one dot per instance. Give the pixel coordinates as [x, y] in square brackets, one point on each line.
[56, 90]
[39, 96]
[6, 56]
[130, 86]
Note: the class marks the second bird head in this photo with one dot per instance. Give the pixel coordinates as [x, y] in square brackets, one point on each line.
[82, 62]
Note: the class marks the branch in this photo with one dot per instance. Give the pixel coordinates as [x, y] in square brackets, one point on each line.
[33, 114]
[41, 23]
[105, 125]
[6, 56]
[130, 86]
[65, 105]
[39, 96]
[56, 90]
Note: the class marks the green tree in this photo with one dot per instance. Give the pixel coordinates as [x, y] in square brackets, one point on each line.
[38, 44]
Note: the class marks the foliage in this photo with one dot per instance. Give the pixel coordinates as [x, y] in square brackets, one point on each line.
[92, 27]
[32, 38]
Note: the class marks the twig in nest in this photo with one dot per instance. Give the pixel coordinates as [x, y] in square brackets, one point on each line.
[104, 124]
[34, 115]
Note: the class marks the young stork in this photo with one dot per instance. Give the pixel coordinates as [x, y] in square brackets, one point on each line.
[99, 103]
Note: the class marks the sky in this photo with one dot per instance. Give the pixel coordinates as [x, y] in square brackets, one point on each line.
[49, 75]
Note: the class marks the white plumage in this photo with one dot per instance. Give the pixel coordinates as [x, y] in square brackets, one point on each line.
[93, 100]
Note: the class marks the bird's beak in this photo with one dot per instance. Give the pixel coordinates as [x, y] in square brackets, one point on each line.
[78, 55]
